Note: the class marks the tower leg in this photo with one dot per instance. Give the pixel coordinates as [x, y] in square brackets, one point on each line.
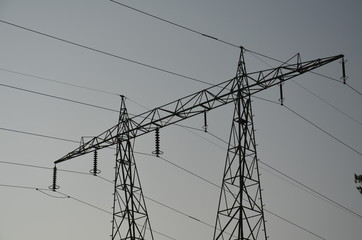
[240, 212]
[130, 217]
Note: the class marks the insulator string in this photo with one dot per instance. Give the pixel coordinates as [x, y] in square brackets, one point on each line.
[54, 186]
[157, 151]
[95, 171]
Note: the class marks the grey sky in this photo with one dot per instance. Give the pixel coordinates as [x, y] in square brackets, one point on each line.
[286, 142]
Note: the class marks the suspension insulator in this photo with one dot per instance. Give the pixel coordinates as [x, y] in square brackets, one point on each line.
[205, 122]
[95, 169]
[344, 78]
[281, 93]
[157, 151]
[54, 186]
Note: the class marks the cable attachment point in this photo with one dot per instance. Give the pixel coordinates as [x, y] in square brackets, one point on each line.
[157, 151]
[54, 186]
[95, 170]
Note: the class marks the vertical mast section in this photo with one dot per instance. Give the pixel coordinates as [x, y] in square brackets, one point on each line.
[240, 212]
[130, 218]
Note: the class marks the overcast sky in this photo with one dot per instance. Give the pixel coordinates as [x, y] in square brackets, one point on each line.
[64, 63]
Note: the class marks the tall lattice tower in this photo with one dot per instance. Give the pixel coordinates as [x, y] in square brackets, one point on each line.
[240, 212]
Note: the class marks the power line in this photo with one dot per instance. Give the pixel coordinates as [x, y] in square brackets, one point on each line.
[153, 200]
[319, 74]
[183, 169]
[63, 83]
[274, 214]
[319, 195]
[57, 81]
[74, 101]
[179, 212]
[104, 52]
[326, 102]
[263, 55]
[165, 160]
[44, 191]
[212, 37]
[17, 186]
[321, 129]
[83, 202]
[56, 97]
[57, 138]
[150, 66]
[68, 140]
[314, 191]
[78, 102]
[253, 53]
[315, 95]
[113, 110]
[105, 179]
[298, 183]
[37, 135]
[211, 183]
[359, 93]
[162, 204]
[325, 76]
[69, 84]
[305, 119]
[63, 139]
[280, 61]
[42, 167]
[296, 225]
[70, 100]
[93, 206]
[60, 39]
[175, 24]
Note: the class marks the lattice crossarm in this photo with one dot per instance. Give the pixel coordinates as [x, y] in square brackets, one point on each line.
[197, 103]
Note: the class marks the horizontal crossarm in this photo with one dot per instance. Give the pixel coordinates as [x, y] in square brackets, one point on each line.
[195, 104]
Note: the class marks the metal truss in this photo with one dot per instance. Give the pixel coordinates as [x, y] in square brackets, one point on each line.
[240, 212]
[197, 103]
[130, 217]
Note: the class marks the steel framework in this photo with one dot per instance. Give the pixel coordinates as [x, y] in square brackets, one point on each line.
[130, 217]
[240, 212]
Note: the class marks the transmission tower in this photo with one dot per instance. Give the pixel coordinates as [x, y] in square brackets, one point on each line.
[240, 212]
[130, 218]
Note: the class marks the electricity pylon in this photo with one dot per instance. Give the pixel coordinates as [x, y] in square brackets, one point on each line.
[130, 217]
[240, 212]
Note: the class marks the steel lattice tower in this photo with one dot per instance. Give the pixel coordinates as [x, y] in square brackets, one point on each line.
[130, 218]
[240, 212]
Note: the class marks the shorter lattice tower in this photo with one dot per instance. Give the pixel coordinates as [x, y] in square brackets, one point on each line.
[130, 218]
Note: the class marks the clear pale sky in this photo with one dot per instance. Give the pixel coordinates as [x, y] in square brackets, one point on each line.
[322, 158]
